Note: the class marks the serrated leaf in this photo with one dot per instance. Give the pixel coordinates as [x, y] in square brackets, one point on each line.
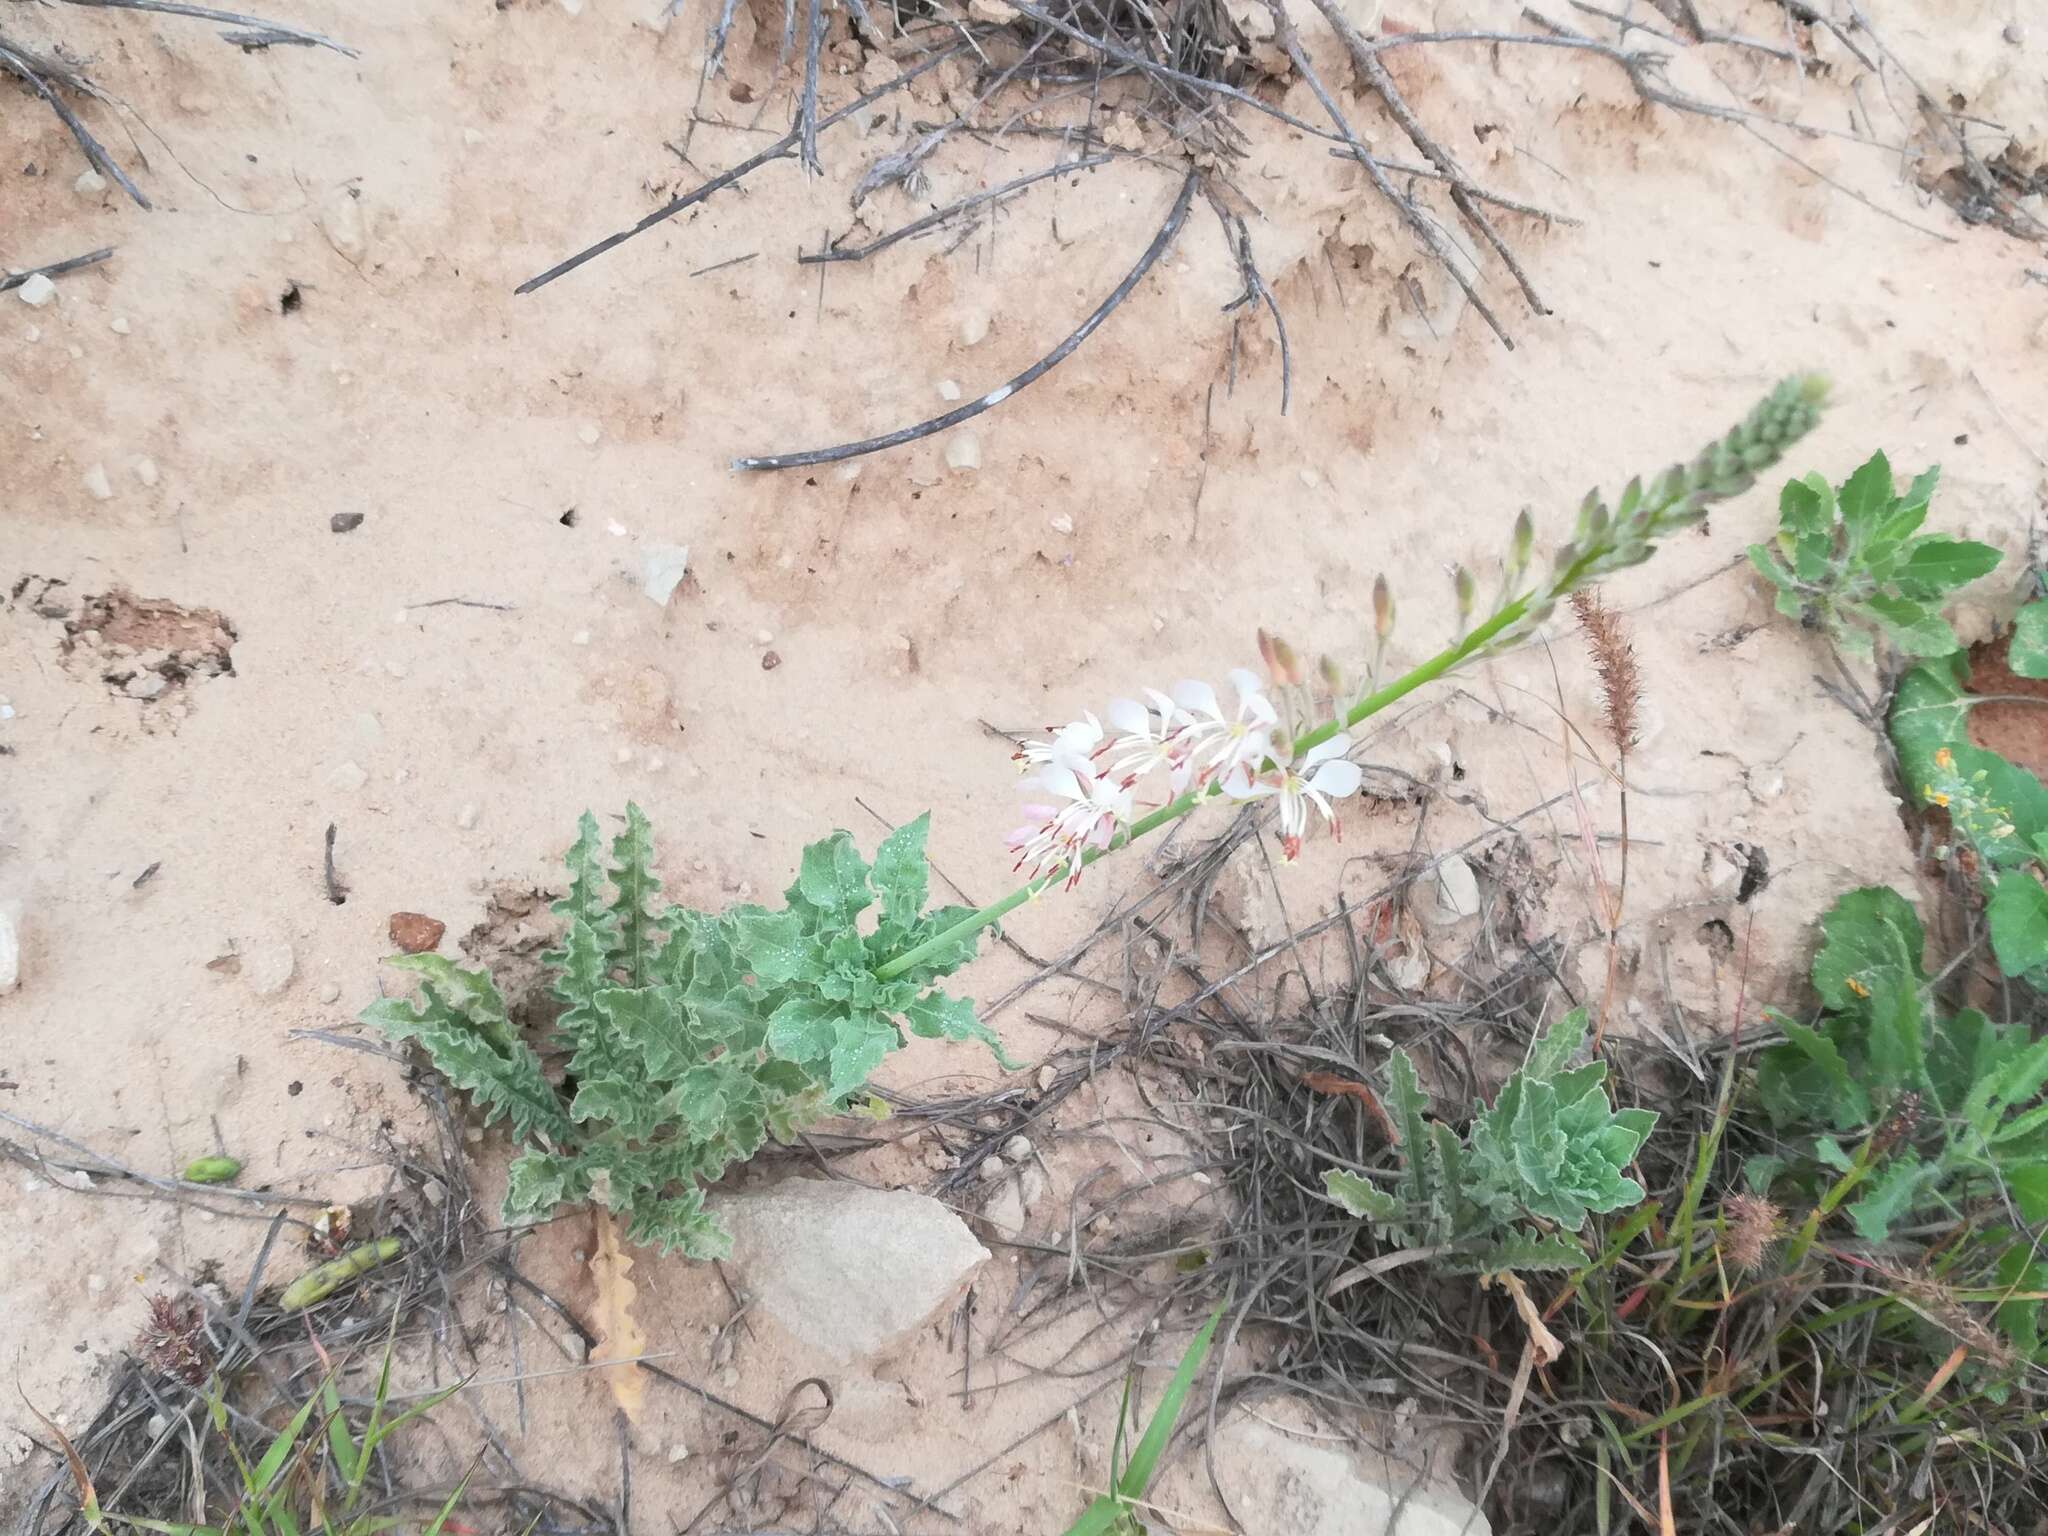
[1864, 498]
[1913, 627]
[539, 1181]
[935, 1016]
[1360, 1196]
[2027, 652]
[900, 876]
[1556, 1047]
[588, 878]
[1521, 1251]
[624, 1105]
[861, 1043]
[700, 1097]
[470, 994]
[1806, 1081]
[505, 1084]
[1939, 565]
[637, 938]
[650, 1023]
[680, 1224]
[1890, 1196]
[832, 879]
[2017, 914]
[775, 947]
[618, 1334]
[805, 1029]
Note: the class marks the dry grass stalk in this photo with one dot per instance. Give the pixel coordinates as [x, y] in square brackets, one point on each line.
[1621, 682]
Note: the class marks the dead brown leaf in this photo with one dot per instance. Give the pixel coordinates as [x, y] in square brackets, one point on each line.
[618, 1335]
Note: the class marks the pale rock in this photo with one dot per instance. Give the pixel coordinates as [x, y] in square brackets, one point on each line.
[348, 778]
[119, 325]
[963, 451]
[996, 13]
[1320, 1489]
[1457, 889]
[342, 221]
[573, 7]
[662, 568]
[581, 637]
[89, 182]
[1005, 1212]
[1047, 1076]
[466, 817]
[678, 1454]
[96, 483]
[32, 335]
[268, 968]
[949, 389]
[974, 327]
[471, 137]
[146, 470]
[156, 1426]
[96, 1284]
[764, 637]
[329, 993]
[10, 951]
[1062, 522]
[588, 434]
[146, 686]
[1017, 1149]
[37, 291]
[992, 1168]
[848, 1271]
[1030, 1183]
[1408, 972]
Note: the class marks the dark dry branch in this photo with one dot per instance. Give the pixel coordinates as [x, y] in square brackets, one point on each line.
[1174, 218]
[939, 216]
[776, 151]
[47, 78]
[1256, 290]
[56, 268]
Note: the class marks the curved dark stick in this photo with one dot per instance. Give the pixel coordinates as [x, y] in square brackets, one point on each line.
[207, 13]
[1174, 219]
[724, 179]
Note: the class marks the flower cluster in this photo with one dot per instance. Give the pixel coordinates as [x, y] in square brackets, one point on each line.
[1088, 773]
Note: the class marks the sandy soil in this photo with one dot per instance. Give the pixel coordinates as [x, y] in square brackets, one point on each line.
[318, 324]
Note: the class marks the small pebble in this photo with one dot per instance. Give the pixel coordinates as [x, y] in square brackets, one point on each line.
[770, 660]
[37, 291]
[1047, 1076]
[269, 968]
[10, 952]
[973, 327]
[1062, 523]
[96, 483]
[764, 637]
[1017, 1149]
[329, 992]
[963, 451]
[948, 390]
[581, 637]
[729, 1377]
[345, 522]
[97, 1284]
[588, 434]
[623, 756]
[992, 1168]
[156, 1426]
[466, 817]
[348, 778]
[89, 181]
[145, 470]
[119, 325]
[678, 1453]
[146, 685]
[471, 136]
[33, 334]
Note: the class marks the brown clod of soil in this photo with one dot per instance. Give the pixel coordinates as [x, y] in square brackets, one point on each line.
[415, 932]
[2017, 731]
[133, 638]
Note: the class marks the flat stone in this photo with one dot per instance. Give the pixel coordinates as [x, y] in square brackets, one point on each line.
[1280, 1483]
[846, 1270]
[1457, 889]
[268, 968]
[10, 952]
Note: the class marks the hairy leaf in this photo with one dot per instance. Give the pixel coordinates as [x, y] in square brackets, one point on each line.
[505, 1082]
[1360, 1196]
[2018, 917]
[2027, 653]
[639, 939]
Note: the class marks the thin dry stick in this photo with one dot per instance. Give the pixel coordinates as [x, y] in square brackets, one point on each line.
[279, 31]
[951, 211]
[803, 460]
[1424, 231]
[1464, 194]
[776, 151]
[56, 268]
[44, 76]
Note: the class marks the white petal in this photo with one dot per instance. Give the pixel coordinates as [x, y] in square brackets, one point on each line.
[1129, 716]
[1246, 682]
[1336, 746]
[1337, 779]
[1197, 696]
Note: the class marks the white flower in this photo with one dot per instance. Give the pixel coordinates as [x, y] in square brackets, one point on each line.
[1071, 743]
[1087, 811]
[1148, 738]
[1322, 775]
[1227, 749]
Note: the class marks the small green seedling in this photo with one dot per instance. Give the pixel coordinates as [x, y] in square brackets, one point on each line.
[1850, 562]
[211, 1170]
[1551, 1150]
[1116, 1513]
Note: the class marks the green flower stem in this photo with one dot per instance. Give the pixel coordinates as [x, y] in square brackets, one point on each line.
[1443, 661]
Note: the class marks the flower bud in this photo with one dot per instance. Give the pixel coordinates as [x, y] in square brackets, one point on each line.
[1467, 591]
[1382, 609]
[1332, 674]
[1287, 664]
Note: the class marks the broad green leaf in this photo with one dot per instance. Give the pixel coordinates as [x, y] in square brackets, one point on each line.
[621, 1103]
[935, 1016]
[700, 1096]
[651, 1024]
[1548, 1056]
[1873, 940]
[508, 1084]
[1929, 710]
[539, 1181]
[862, 1041]
[805, 1029]
[1937, 565]
[1913, 627]
[2027, 653]
[680, 1224]
[1864, 499]
[900, 876]
[832, 879]
[2028, 1187]
[2018, 917]
[1360, 1196]
[1806, 1081]
[1890, 1196]
[775, 947]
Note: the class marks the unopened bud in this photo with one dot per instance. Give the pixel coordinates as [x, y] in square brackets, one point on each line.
[1382, 608]
[1289, 669]
[1519, 545]
[1333, 675]
[1267, 655]
[1467, 590]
